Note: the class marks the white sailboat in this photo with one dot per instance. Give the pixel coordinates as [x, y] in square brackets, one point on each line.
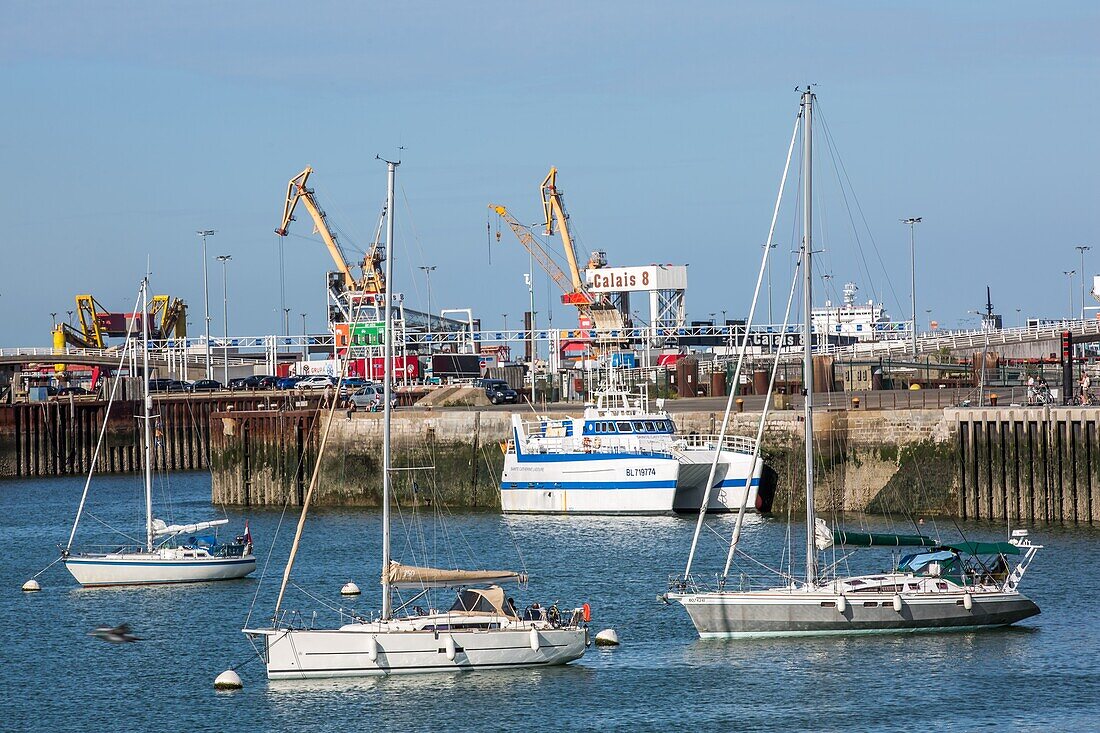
[938, 586]
[481, 630]
[172, 553]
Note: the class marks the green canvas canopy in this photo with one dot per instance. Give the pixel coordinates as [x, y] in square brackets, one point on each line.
[879, 539]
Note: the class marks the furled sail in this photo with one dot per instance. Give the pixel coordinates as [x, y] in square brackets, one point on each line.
[824, 538]
[161, 528]
[410, 576]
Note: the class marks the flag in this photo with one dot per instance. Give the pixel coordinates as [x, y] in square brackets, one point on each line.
[247, 533]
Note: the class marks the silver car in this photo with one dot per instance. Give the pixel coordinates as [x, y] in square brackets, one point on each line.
[370, 397]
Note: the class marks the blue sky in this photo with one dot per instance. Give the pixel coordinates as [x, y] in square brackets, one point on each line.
[128, 126]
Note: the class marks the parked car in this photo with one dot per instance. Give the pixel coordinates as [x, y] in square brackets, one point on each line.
[168, 385]
[352, 383]
[370, 397]
[66, 391]
[498, 391]
[256, 381]
[288, 382]
[205, 385]
[317, 381]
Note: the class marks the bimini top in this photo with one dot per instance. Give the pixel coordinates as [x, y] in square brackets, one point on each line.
[489, 600]
[410, 576]
[919, 561]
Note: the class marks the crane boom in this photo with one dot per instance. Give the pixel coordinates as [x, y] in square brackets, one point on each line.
[296, 190]
[536, 249]
[554, 212]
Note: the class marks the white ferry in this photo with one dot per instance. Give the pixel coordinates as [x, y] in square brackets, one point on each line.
[623, 458]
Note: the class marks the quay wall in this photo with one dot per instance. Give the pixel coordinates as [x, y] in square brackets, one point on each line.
[1009, 463]
[58, 437]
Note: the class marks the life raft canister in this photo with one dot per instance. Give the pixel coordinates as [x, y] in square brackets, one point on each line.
[587, 612]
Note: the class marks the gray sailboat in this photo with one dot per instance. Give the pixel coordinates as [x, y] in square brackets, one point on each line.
[936, 586]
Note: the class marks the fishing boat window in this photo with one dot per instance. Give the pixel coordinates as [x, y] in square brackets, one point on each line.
[650, 427]
[639, 427]
[623, 426]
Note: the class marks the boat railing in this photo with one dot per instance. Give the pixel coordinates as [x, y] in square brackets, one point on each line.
[734, 443]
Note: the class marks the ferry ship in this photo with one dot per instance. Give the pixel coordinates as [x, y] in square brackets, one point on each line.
[621, 457]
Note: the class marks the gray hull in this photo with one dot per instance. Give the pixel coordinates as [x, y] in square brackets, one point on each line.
[728, 615]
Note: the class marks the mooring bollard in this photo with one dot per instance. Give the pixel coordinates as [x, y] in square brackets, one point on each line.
[993, 399]
[855, 403]
[740, 405]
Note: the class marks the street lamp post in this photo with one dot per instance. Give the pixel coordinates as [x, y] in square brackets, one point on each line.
[1083, 248]
[224, 259]
[70, 318]
[1069, 277]
[204, 233]
[305, 339]
[529, 279]
[428, 269]
[53, 317]
[912, 222]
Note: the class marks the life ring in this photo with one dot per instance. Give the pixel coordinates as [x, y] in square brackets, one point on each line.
[587, 612]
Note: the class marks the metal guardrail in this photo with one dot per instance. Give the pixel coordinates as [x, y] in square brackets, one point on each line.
[734, 443]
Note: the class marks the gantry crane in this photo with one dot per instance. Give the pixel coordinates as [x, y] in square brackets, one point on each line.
[592, 305]
[370, 280]
[97, 323]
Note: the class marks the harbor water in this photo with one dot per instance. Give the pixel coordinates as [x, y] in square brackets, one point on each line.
[1040, 674]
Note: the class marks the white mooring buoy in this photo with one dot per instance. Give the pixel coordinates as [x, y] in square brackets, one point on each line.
[228, 680]
[607, 637]
[349, 589]
[32, 586]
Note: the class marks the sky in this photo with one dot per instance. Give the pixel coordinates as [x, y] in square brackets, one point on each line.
[128, 126]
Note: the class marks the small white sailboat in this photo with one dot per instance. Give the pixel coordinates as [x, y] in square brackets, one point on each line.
[938, 586]
[481, 630]
[172, 553]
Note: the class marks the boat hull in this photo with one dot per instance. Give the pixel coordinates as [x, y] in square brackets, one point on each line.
[732, 482]
[733, 615]
[588, 484]
[311, 653]
[135, 569]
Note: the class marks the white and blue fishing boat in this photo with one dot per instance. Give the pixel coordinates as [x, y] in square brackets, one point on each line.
[622, 457]
[172, 553]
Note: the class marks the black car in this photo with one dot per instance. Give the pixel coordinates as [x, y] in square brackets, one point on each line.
[498, 391]
[205, 385]
[256, 381]
[168, 385]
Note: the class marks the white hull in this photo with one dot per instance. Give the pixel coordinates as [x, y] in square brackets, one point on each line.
[732, 481]
[588, 485]
[143, 568]
[363, 650]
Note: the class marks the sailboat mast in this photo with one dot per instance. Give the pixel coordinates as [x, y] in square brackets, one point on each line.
[387, 368]
[807, 327]
[148, 402]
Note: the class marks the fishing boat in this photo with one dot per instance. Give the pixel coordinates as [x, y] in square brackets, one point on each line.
[481, 630]
[622, 457]
[172, 553]
[935, 586]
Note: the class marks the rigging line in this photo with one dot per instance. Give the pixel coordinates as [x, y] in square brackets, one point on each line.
[103, 428]
[743, 350]
[741, 510]
[113, 529]
[870, 234]
[830, 146]
[317, 468]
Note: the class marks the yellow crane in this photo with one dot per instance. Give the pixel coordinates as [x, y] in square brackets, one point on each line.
[597, 306]
[370, 279]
